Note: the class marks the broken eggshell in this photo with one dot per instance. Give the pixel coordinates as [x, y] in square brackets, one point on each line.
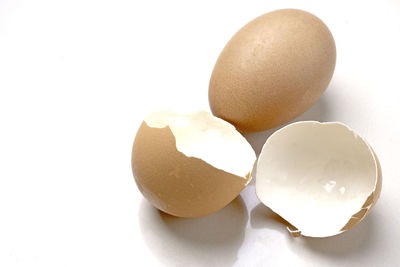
[322, 178]
[190, 165]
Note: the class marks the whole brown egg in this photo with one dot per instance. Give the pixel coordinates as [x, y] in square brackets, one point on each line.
[272, 70]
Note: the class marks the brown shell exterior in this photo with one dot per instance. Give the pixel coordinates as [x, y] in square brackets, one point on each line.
[272, 70]
[176, 184]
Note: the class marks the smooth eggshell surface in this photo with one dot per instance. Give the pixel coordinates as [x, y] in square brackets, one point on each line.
[272, 70]
[323, 178]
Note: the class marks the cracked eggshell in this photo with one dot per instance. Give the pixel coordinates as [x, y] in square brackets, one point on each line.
[190, 165]
[272, 70]
[322, 178]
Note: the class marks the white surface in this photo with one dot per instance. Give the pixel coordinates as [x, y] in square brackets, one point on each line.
[204, 136]
[317, 176]
[77, 78]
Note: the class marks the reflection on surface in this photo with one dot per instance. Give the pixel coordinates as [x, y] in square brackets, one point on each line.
[213, 240]
[353, 243]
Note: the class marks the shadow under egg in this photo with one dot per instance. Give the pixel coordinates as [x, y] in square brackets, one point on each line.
[205, 241]
[263, 217]
[353, 243]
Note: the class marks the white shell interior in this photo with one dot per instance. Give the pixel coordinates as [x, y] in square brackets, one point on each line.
[316, 176]
[209, 138]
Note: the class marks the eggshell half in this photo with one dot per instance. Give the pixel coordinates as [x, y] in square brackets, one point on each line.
[190, 165]
[322, 178]
[272, 70]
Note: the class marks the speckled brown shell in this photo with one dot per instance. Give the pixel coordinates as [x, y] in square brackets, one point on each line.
[272, 70]
[176, 184]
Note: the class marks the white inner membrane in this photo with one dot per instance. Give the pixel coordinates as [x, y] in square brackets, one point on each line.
[316, 176]
[209, 138]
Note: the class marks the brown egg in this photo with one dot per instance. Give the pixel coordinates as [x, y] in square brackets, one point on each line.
[190, 165]
[272, 70]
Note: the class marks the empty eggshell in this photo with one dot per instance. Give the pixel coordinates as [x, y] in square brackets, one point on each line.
[322, 178]
[272, 70]
[190, 165]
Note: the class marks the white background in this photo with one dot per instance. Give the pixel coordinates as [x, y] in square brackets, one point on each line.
[78, 76]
